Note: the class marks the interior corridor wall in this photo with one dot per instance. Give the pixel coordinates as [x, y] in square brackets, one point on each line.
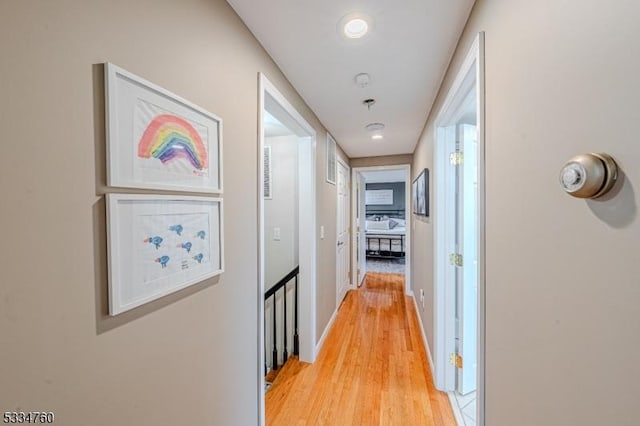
[281, 210]
[384, 160]
[562, 273]
[189, 358]
[327, 203]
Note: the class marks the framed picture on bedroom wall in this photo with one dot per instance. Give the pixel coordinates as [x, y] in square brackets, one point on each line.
[420, 191]
[158, 140]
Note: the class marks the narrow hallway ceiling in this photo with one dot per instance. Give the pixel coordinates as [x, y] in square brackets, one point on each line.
[405, 52]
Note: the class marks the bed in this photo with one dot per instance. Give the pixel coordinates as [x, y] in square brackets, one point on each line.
[385, 233]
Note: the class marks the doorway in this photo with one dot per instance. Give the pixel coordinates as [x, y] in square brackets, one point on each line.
[459, 241]
[381, 220]
[284, 132]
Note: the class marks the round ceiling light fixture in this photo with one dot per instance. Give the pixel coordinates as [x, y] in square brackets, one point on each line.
[374, 127]
[354, 25]
[376, 130]
[356, 28]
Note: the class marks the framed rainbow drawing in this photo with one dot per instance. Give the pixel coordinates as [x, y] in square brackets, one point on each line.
[159, 244]
[157, 140]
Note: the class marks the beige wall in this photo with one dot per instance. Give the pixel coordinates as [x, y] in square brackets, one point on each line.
[385, 160]
[189, 358]
[281, 210]
[327, 200]
[562, 275]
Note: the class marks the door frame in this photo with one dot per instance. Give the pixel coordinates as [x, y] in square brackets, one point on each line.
[407, 206]
[444, 296]
[306, 234]
[349, 228]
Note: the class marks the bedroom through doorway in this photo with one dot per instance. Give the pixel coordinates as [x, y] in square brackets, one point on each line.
[381, 219]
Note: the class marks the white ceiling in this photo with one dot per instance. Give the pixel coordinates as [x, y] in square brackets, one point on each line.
[406, 53]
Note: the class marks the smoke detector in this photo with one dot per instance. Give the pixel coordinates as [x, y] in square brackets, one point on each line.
[374, 127]
[363, 80]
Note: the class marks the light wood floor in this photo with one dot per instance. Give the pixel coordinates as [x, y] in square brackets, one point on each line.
[372, 369]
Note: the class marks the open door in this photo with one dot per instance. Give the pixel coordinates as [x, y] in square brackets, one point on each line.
[460, 241]
[467, 282]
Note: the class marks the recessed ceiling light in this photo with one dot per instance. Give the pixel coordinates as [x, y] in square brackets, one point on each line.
[377, 136]
[356, 28]
[354, 25]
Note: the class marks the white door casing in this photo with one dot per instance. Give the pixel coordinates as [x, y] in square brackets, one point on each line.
[355, 172]
[270, 96]
[361, 229]
[342, 228]
[470, 79]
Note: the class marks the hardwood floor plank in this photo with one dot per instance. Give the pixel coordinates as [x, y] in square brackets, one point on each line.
[372, 370]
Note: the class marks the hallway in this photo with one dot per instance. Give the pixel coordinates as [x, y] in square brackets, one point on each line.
[372, 368]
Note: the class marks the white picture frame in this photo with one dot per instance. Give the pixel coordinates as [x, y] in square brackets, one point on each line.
[158, 140]
[331, 159]
[159, 244]
[379, 197]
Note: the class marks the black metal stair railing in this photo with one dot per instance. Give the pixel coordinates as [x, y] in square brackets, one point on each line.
[272, 292]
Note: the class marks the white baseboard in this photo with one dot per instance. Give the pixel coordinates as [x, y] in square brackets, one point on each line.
[325, 333]
[424, 336]
[457, 414]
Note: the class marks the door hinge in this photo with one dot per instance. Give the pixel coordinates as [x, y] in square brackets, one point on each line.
[455, 259]
[455, 158]
[455, 360]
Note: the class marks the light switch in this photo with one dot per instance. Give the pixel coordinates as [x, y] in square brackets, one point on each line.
[322, 232]
[276, 234]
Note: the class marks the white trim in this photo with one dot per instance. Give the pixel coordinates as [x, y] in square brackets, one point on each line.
[457, 414]
[482, 252]
[452, 398]
[350, 284]
[307, 234]
[407, 215]
[325, 333]
[424, 335]
[442, 318]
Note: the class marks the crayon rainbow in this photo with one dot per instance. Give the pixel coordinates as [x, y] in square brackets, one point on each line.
[170, 138]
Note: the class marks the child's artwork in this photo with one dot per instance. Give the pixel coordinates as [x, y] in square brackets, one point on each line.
[169, 143]
[160, 244]
[179, 235]
[158, 140]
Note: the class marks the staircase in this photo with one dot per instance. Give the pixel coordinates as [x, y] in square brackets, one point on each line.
[281, 325]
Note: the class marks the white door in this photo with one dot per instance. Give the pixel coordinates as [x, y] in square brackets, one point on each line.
[467, 245]
[362, 221]
[342, 245]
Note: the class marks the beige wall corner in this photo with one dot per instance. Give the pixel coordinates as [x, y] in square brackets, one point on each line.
[385, 160]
